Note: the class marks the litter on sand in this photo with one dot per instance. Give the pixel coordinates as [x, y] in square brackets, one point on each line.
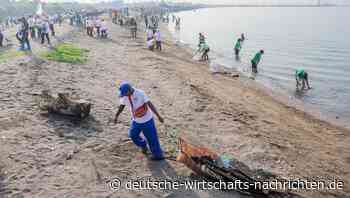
[64, 104]
[207, 163]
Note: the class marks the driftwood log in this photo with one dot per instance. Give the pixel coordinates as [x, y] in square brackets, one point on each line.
[62, 103]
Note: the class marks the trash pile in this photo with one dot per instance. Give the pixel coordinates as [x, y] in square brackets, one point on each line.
[64, 104]
[207, 163]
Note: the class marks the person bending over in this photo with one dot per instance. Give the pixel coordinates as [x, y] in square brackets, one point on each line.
[142, 111]
[256, 60]
[301, 78]
[204, 48]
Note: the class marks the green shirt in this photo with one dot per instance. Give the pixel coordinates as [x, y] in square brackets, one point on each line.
[257, 58]
[300, 72]
[204, 46]
[238, 45]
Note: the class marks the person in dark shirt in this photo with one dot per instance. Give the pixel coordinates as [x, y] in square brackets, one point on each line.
[24, 34]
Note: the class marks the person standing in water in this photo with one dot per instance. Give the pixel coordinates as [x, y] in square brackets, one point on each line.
[301, 77]
[142, 111]
[238, 47]
[177, 23]
[256, 60]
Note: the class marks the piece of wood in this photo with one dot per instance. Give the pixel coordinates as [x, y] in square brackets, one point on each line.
[63, 104]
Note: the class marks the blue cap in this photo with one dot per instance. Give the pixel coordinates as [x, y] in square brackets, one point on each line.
[124, 89]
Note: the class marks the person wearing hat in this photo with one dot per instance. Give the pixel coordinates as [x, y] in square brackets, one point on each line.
[142, 111]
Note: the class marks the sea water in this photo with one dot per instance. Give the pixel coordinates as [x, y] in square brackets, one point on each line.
[315, 38]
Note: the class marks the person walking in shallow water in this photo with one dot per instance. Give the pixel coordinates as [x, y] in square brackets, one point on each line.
[256, 60]
[142, 110]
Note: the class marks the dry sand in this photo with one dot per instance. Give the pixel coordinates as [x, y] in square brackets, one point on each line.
[52, 156]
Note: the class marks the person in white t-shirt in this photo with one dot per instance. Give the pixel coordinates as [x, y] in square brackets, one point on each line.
[149, 34]
[151, 44]
[97, 24]
[103, 29]
[142, 111]
[158, 40]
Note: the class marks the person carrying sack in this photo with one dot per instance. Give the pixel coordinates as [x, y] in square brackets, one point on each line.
[142, 111]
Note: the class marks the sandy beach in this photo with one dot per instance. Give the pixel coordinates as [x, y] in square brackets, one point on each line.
[52, 156]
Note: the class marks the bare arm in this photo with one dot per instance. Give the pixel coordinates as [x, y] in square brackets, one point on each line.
[120, 110]
[154, 110]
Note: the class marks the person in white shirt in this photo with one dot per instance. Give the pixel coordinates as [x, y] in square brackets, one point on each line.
[142, 111]
[45, 29]
[103, 29]
[158, 40]
[151, 44]
[149, 34]
[98, 27]
[89, 27]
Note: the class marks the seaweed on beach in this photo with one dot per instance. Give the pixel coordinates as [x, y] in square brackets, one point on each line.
[67, 53]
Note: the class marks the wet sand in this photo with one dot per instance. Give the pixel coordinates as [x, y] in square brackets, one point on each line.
[52, 156]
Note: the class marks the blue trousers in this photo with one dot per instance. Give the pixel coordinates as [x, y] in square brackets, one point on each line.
[149, 130]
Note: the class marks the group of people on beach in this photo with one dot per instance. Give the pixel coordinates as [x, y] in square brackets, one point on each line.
[36, 27]
[154, 39]
[301, 75]
[96, 26]
[32, 27]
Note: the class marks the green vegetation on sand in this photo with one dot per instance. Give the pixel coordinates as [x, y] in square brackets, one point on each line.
[6, 55]
[67, 53]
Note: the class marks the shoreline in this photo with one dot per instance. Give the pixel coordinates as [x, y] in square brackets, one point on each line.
[277, 94]
[278, 100]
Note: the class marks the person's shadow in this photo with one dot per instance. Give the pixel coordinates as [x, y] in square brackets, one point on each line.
[162, 170]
